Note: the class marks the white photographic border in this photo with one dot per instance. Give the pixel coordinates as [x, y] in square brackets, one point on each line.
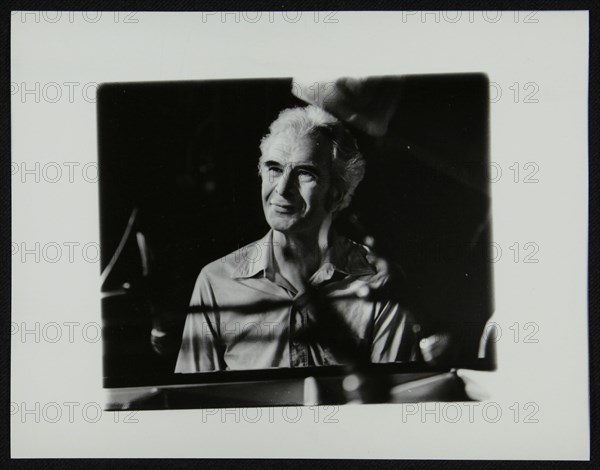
[537, 63]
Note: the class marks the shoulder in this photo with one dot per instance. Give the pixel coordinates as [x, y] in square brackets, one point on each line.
[377, 269]
[361, 250]
[228, 265]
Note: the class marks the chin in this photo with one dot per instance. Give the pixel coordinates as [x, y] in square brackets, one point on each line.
[283, 226]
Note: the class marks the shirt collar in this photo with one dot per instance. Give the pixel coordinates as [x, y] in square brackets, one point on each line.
[344, 256]
[256, 258]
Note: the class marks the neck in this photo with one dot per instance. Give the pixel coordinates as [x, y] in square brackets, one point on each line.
[302, 252]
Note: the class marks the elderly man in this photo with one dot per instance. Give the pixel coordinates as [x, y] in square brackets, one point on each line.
[303, 277]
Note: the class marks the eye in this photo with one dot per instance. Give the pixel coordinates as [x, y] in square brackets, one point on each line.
[306, 175]
[274, 171]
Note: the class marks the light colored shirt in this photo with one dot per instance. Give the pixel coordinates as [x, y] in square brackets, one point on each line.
[224, 335]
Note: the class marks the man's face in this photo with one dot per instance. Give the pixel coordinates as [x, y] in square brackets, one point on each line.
[296, 184]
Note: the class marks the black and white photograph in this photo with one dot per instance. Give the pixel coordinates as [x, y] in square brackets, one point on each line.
[332, 235]
[308, 234]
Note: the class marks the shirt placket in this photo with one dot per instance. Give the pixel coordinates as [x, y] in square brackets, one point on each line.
[300, 355]
[298, 348]
[297, 318]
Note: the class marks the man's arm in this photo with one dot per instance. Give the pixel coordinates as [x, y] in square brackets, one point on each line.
[394, 338]
[201, 349]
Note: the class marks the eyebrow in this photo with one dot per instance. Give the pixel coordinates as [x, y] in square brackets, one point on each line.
[303, 166]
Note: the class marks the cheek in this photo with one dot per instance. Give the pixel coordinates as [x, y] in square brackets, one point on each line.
[265, 188]
[315, 197]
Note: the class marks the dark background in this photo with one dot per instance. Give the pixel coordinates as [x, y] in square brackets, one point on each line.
[185, 155]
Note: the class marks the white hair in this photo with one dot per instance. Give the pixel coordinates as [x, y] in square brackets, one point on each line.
[348, 164]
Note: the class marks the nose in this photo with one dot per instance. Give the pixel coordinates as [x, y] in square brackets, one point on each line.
[285, 183]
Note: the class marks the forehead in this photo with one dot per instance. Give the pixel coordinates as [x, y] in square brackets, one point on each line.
[289, 149]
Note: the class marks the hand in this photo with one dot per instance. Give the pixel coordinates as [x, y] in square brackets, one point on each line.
[436, 349]
[159, 341]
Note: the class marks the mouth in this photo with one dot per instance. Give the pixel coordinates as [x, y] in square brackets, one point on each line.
[283, 208]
